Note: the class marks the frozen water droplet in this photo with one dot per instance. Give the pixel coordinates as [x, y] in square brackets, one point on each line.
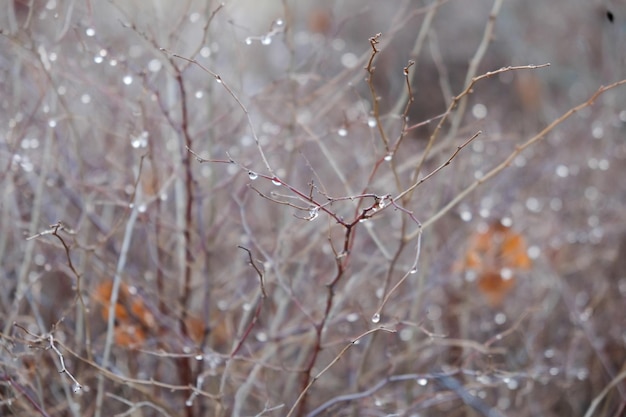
[376, 318]
[199, 94]
[388, 157]
[218, 79]
[413, 271]
[248, 40]
[343, 132]
[131, 205]
[253, 175]
[279, 22]
[313, 213]
[128, 79]
[422, 382]
[276, 182]
[266, 40]
[76, 388]
[142, 208]
[91, 32]
[371, 121]
[199, 357]
[189, 402]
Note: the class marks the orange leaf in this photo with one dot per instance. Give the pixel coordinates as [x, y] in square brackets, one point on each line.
[494, 287]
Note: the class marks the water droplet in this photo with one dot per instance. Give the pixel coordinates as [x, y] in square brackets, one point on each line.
[413, 271]
[189, 402]
[371, 121]
[388, 157]
[128, 79]
[218, 79]
[376, 318]
[466, 215]
[422, 382]
[562, 171]
[142, 208]
[205, 52]
[85, 98]
[76, 388]
[98, 60]
[349, 60]
[199, 357]
[131, 205]
[199, 94]
[506, 274]
[266, 40]
[279, 22]
[479, 111]
[500, 318]
[90, 32]
[352, 317]
[253, 175]
[276, 182]
[139, 141]
[313, 213]
[511, 383]
[343, 132]
[248, 40]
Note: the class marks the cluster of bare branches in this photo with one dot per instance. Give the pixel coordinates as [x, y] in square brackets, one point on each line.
[213, 212]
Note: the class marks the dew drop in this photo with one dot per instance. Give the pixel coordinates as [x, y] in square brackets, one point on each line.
[276, 182]
[371, 121]
[248, 40]
[343, 132]
[376, 318]
[77, 388]
[422, 382]
[91, 32]
[413, 271]
[218, 79]
[142, 208]
[253, 175]
[199, 357]
[388, 157]
[189, 402]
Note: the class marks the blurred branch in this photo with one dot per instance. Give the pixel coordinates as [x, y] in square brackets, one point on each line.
[507, 162]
